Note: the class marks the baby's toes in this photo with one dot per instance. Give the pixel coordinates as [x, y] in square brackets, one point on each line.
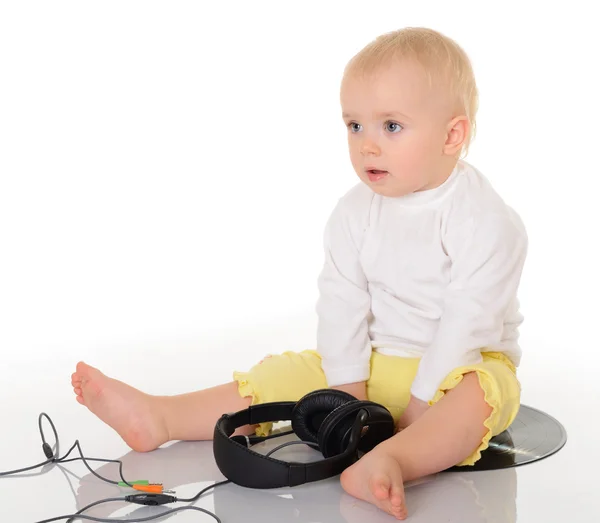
[397, 501]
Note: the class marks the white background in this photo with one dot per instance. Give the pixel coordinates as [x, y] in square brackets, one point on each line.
[166, 170]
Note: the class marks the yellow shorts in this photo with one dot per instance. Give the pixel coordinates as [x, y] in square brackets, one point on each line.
[291, 375]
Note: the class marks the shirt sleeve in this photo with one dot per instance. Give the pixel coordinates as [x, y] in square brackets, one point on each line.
[487, 257]
[344, 304]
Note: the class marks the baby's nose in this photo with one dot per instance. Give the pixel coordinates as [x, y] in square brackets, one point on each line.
[370, 147]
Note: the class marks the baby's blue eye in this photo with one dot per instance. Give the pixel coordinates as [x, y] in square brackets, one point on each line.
[393, 127]
[354, 127]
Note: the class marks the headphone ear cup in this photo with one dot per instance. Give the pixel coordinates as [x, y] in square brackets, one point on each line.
[380, 426]
[311, 410]
[334, 434]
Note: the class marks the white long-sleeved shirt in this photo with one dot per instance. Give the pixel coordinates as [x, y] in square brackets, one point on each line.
[432, 275]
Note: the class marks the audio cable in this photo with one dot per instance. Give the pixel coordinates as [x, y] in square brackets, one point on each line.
[150, 494]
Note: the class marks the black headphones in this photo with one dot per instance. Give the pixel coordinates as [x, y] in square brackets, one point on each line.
[335, 422]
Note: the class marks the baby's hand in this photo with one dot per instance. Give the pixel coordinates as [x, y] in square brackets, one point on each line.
[415, 409]
[358, 389]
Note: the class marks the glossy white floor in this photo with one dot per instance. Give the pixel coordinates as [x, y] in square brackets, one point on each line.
[560, 488]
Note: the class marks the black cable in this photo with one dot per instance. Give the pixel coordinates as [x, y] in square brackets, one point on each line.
[182, 500]
[50, 454]
[26, 468]
[136, 520]
[87, 507]
[287, 444]
[85, 461]
[205, 489]
[45, 447]
[78, 515]
[140, 499]
[277, 435]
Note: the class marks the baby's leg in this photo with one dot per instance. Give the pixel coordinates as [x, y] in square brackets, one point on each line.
[445, 435]
[453, 431]
[145, 422]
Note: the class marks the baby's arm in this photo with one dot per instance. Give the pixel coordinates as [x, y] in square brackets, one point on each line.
[343, 307]
[358, 389]
[487, 254]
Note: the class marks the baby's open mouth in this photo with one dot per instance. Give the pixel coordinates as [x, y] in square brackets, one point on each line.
[376, 174]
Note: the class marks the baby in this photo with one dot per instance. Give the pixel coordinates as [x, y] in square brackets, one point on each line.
[418, 306]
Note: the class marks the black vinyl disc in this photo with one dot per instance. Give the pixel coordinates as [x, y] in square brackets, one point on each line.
[533, 435]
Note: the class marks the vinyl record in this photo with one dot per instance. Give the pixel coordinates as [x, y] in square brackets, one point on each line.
[534, 435]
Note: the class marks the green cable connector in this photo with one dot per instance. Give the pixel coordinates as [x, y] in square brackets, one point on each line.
[138, 482]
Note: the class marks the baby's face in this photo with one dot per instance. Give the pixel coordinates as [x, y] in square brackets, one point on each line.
[397, 127]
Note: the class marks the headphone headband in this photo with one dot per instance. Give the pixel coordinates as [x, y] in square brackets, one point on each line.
[256, 414]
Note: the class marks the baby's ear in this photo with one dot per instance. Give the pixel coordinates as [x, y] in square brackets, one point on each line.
[457, 133]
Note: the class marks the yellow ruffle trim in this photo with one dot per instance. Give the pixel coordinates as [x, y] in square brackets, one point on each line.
[246, 389]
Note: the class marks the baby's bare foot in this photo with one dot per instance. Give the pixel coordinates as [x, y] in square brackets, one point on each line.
[377, 479]
[134, 415]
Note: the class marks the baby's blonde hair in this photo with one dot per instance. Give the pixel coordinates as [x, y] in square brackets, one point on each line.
[442, 59]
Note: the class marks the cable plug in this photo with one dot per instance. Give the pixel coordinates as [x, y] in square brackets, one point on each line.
[136, 482]
[48, 451]
[152, 488]
[150, 499]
